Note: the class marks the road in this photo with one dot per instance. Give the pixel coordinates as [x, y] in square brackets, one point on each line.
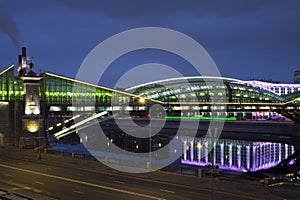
[65, 178]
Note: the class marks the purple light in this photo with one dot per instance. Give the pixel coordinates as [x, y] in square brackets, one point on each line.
[251, 156]
[184, 150]
[274, 152]
[199, 151]
[206, 152]
[214, 151]
[230, 155]
[261, 155]
[192, 150]
[254, 158]
[279, 147]
[292, 162]
[202, 164]
[248, 156]
[277, 88]
[239, 155]
[222, 153]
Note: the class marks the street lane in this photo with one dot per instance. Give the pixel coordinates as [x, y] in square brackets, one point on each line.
[61, 187]
[65, 178]
[66, 188]
[64, 183]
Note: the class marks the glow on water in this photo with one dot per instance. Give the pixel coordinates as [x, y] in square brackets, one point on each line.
[237, 155]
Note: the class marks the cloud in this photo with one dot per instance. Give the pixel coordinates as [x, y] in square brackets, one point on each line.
[9, 27]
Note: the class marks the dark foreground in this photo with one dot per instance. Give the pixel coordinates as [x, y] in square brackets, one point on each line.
[55, 177]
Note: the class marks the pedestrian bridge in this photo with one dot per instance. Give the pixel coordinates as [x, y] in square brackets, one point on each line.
[195, 98]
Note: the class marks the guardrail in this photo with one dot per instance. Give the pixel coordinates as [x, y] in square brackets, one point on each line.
[73, 155]
[173, 169]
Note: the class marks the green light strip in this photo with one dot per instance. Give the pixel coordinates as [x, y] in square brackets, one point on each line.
[201, 118]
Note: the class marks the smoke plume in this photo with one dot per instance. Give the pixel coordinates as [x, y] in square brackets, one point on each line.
[9, 27]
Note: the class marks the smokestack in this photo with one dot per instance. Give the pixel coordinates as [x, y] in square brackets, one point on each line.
[24, 52]
[22, 62]
[19, 64]
[20, 59]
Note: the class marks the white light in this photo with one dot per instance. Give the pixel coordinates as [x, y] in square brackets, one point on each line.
[75, 117]
[55, 108]
[3, 103]
[27, 111]
[60, 133]
[36, 111]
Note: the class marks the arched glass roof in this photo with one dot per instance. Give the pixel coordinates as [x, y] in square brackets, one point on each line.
[205, 89]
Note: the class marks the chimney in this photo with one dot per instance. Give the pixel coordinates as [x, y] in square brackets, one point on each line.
[24, 52]
[20, 64]
[24, 64]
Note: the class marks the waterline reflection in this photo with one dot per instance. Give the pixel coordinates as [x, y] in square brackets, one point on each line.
[237, 155]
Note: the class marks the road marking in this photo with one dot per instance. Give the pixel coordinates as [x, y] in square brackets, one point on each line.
[26, 188]
[79, 174]
[283, 136]
[37, 182]
[82, 182]
[79, 192]
[240, 196]
[168, 191]
[120, 182]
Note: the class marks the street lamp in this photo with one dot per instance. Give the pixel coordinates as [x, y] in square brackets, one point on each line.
[40, 153]
[213, 166]
[150, 146]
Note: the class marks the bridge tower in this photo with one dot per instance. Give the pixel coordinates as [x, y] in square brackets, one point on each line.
[32, 120]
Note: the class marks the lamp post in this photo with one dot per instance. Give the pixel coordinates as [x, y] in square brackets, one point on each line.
[150, 146]
[213, 166]
[39, 153]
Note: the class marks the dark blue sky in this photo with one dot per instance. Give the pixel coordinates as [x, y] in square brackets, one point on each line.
[256, 39]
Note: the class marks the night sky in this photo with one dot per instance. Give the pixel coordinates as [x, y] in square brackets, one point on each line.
[254, 39]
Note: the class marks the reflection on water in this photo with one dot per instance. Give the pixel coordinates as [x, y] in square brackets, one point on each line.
[235, 155]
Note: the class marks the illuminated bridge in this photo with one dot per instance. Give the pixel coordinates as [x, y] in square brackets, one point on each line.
[196, 97]
[190, 97]
[59, 98]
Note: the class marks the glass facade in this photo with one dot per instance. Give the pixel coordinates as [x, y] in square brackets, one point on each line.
[59, 90]
[11, 88]
[218, 90]
[62, 90]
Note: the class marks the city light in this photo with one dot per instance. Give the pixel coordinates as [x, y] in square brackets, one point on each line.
[142, 100]
[32, 126]
[236, 155]
[201, 118]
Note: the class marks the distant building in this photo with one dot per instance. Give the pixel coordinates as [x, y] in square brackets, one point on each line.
[297, 77]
